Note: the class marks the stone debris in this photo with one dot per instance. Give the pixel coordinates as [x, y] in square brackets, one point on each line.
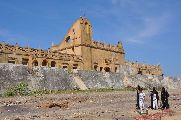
[106, 106]
[61, 105]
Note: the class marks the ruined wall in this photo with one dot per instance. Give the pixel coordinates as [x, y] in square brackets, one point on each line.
[55, 78]
[171, 82]
[96, 56]
[94, 79]
[50, 79]
[77, 50]
[78, 33]
[38, 57]
[106, 56]
[145, 69]
[61, 79]
[12, 74]
[38, 78]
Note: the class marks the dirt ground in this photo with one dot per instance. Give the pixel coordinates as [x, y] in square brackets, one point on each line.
[117, 105]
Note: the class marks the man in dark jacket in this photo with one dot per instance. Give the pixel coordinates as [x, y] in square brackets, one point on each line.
[137, 104]
[164, 98]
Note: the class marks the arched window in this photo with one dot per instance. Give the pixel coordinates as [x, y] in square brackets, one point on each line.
[140, 71]
[35, 63]
[95, 67]
[53, 63]
[75, 66]
[101, 68]
[68, 39]
[107, 69]
[115, 69]
[44, 63]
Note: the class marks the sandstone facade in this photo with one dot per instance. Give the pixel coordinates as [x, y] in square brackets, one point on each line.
[77, 50]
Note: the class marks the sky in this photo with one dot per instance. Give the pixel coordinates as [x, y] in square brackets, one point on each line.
[150, 30]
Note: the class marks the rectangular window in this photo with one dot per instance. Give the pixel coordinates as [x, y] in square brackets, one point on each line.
[25, 61]
[11, 61]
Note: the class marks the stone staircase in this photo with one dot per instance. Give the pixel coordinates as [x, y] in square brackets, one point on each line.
[80, 83]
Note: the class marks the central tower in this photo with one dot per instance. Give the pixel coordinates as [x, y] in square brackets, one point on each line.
[77, 41]
[95, 55]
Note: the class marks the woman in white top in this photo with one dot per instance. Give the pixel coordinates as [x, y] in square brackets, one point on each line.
[141, 100]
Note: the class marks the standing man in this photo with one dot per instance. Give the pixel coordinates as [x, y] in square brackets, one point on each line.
[154, 99]
[164, 98]
[137, 98]
[141, 100]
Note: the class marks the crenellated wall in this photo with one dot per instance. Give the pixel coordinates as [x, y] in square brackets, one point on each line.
[108, 47]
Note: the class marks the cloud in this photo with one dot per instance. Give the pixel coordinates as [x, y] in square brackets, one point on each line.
[147, 24]
[152, 26]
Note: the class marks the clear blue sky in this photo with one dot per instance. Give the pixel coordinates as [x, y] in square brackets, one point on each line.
[149, 29]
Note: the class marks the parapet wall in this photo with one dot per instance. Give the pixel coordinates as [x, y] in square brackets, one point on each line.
[145, 69]
[109, 47]
[37, 57]
[15, 49]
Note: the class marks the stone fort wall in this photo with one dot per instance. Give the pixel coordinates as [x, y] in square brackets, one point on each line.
[60, 79]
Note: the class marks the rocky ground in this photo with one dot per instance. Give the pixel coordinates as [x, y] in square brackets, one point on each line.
[117, 105]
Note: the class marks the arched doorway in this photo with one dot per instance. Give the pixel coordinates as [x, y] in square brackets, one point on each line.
[35, 63]
[44, 63]
[140, 71]
[115, 70]
[53, 63]
[95, 67]
[107, 69]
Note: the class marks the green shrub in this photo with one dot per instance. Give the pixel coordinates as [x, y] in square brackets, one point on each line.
[20, 89]
[10, 92]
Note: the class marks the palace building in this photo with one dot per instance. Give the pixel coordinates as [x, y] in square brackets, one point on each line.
[77, 50]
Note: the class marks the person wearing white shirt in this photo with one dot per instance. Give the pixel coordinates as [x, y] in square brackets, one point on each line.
[154, 99]
[141, 100]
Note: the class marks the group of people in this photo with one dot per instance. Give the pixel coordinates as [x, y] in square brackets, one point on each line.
[154, 99]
